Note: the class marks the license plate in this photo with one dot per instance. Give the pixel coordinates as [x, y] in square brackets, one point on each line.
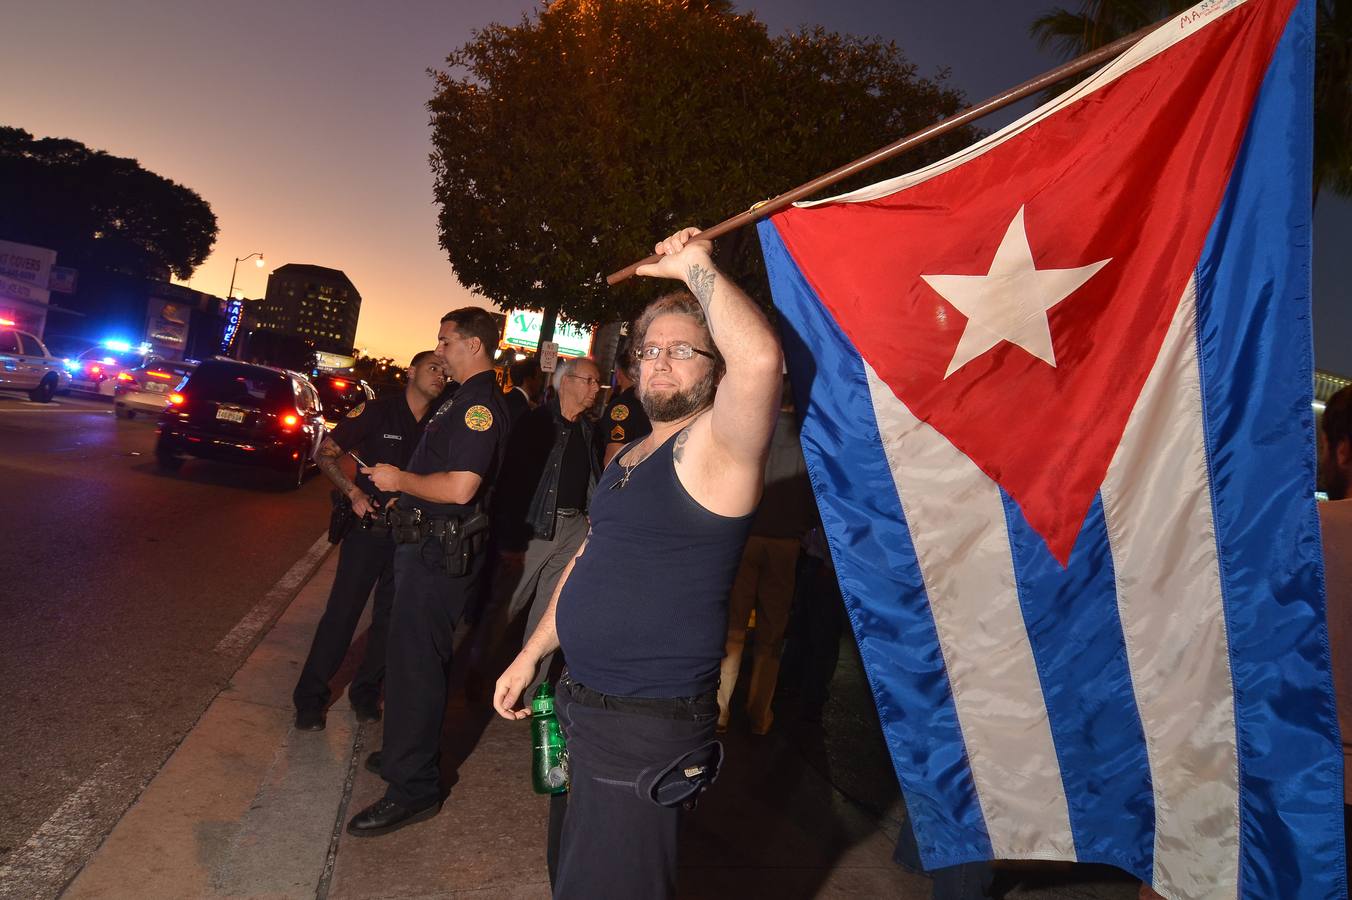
[230, 415]
[156, 388]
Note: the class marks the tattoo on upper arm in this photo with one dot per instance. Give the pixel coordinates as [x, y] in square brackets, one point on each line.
[701, 285]
[679, 449]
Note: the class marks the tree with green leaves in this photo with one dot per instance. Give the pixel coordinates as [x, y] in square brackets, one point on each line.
[1100, 22]
[566, 145]
[99, 211]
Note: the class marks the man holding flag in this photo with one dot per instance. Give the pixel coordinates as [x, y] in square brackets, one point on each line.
[1057, 393]
[641, 611]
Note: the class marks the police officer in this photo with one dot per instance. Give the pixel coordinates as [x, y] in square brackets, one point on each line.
[384, 430]
[442, 499]
[624, 420]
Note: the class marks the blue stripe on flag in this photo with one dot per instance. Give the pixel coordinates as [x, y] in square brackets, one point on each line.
[1073, 625]
[1254, 346]
[886, 600]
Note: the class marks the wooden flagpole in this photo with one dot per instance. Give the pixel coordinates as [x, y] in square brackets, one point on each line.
[972, 113]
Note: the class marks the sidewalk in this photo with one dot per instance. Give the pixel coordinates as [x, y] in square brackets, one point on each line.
[248, 807]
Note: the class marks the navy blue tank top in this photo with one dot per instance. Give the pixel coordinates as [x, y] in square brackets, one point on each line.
[644, 612]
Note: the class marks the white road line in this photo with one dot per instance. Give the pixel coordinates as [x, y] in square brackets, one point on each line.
[70, 834]
[257, 618]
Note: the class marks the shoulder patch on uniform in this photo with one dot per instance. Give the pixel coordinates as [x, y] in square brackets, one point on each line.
[620, 412]
[479, 418]
[356, 410]
[616, 434]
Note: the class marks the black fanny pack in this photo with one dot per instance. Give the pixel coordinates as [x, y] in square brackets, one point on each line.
[671, 783]
[681, 781]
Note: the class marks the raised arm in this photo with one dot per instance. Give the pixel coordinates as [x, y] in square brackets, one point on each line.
[747, 401]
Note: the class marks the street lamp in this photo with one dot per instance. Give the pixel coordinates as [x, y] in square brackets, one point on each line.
[230, 294]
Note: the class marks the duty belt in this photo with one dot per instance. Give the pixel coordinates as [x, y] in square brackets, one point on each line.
[569, 512]
[412, 527]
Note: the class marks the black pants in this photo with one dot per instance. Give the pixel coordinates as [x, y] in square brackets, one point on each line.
[615, 843]
[365, 561]
[428, 604]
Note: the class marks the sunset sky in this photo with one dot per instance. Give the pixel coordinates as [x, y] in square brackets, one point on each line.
[304, 125]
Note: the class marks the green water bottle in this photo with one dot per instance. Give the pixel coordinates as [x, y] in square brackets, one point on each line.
[549, 758]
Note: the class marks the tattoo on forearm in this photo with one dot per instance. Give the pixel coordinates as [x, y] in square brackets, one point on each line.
[702, 286]
[329, 453]
[679, 449]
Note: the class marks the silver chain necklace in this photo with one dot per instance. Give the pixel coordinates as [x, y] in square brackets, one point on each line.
[628, 470]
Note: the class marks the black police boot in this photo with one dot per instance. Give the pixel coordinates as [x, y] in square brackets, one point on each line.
[309, 720]
[385, 816]
[365, 714]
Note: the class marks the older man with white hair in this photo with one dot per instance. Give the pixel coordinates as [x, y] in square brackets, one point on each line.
[540, 513]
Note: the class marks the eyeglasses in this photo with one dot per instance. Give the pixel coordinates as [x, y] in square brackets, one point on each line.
[587, 378]
[678, 350]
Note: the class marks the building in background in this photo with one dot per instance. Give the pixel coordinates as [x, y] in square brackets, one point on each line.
[316, 304]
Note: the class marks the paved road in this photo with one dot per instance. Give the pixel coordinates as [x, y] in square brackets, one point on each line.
[122, 593]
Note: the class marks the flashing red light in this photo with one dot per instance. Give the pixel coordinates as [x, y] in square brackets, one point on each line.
[295, 455]
[290, 420]
[176, 399]
[10, 322]
[339, 383]
[96, 370]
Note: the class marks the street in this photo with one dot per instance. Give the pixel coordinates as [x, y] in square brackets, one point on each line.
[127, 599]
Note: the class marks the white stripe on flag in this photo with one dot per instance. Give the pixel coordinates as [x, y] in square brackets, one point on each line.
[1157, 503]
[1161, 39]
[957, 524]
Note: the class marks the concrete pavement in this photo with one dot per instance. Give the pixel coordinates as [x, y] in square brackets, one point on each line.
[248, 807]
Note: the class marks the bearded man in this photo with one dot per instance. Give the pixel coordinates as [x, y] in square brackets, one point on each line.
[641, 612]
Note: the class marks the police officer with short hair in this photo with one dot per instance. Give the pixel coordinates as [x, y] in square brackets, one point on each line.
[384, 430]
[440, 526]
[624, 420]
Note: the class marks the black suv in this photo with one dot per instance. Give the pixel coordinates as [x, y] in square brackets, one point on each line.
[238, 412]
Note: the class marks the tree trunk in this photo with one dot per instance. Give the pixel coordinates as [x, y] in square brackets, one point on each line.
[548, 317]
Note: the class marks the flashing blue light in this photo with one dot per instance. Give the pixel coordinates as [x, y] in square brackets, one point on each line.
[119, 346]
[70, 364]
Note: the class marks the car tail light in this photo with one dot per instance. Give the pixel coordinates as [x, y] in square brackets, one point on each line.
[165, 376]
[176, 399]
[124, 377]
[290, 420]
[339, 383]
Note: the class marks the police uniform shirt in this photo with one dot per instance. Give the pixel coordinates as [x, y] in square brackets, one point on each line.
[383, 430]
[624, 421]
[467, 434]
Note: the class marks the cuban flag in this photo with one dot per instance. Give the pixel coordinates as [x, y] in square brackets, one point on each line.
[1057, 417]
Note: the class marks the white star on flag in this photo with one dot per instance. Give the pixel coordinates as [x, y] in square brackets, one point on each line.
[1009, 302]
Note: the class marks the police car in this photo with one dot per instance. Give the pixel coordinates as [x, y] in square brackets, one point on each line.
[340, 394]
[26, 365]
[146, 388]
[96, 369]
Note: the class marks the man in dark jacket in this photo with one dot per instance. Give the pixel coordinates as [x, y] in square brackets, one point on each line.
[541, 509]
